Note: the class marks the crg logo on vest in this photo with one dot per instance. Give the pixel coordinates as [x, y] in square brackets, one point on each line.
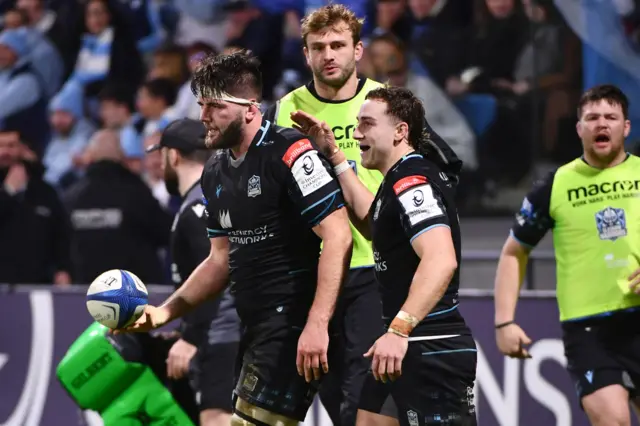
[604, 188]
[340, 132]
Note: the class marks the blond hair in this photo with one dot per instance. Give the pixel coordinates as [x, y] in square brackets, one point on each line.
[329, 17]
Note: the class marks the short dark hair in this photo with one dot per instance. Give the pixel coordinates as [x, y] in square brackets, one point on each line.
[200, 156]
[237, 74]
[118, 92]
[607, 92]
[403, 105]
[162, 88]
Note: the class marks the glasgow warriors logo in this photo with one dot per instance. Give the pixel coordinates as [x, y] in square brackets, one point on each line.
[611, 223]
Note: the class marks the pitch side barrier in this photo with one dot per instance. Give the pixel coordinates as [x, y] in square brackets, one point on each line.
[40, 323]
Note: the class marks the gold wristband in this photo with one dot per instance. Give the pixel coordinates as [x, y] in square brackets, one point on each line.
[397, 332]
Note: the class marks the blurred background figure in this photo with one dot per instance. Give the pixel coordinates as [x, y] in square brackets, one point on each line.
[33, 224]
[71, 132]
[113, 206]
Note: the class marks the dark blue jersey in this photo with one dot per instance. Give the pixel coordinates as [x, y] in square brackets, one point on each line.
[267, 203]
[414, 197]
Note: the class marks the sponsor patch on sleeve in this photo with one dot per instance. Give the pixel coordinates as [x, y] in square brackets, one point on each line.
[309, 172]
[419, 202]
[405, 183]
[295, 151]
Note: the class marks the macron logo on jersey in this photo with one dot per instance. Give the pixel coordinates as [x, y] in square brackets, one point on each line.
[295, 151]
[406, 183]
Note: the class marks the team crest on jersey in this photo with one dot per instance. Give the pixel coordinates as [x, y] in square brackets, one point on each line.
[253, 187]
[611, 223]
[412, 416]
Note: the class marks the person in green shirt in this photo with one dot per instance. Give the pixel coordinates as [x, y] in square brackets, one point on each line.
[592, 205]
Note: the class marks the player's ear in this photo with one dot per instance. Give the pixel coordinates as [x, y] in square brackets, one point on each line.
[401, 132]
[359, 48]
[306, 55]
[627, 128]
[173, 157]
[579, 128]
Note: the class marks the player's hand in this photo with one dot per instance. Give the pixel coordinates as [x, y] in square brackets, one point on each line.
[511, 340]
[634, 281]
[387, 354]
[312, 352]
[179, 358]
[318, 130]
[153, 317]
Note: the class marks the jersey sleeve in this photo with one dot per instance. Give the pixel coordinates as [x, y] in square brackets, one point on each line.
[214, 229]
[311, 182]
[421, 205]
[533, 220]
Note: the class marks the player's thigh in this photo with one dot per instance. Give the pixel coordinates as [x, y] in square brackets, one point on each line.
[269, 378]
[599, 377]
[608, 406]
[213, 377]
[436, 385]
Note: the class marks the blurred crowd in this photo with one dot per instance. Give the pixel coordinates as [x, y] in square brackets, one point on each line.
[86, 85]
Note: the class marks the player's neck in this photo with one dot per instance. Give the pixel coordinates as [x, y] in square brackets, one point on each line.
[599, 163]
[346, 91]
[248, 136]
[188, 177]
[395, 156]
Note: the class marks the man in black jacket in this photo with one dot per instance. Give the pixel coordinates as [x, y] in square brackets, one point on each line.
[117, 223]
[208, 345]
[33, 224]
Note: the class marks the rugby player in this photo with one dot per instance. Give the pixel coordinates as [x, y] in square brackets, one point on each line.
[206, 351]
[332, 48]
[428, 351]
[271, 200]
[592, 204]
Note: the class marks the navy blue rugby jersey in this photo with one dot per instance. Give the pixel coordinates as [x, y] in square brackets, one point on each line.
[415, 196]
[267, 203]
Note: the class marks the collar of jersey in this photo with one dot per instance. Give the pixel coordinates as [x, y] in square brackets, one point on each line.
[312, 89]
[258, 139]
[589, 166]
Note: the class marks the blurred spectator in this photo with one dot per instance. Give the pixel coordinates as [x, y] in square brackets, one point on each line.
[393, 17]
[439, 37]
[44, 56]
[47, 23]
[170, 62]
[23, 101]
[108, 51]
[546, 74]
[116, 221]
[262, 33]
[116, 112]
[186, 103]
[153, 174]
[498, 37]
[14, 18]
[71, 133]
[390, 62]
[143, 17]
[33, 224]
[155, 97]
[201, 20]
[116, 105]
